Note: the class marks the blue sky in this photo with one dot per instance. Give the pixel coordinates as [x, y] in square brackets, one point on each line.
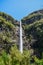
[20, 8]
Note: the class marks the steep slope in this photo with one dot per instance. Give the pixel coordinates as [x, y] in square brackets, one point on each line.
[33, 28]
[32, 32]
[37, 15]
[8, 31]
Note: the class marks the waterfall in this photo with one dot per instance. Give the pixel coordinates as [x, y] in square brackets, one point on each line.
[21, 41]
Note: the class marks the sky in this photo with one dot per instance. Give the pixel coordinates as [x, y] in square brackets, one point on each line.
[20, 8]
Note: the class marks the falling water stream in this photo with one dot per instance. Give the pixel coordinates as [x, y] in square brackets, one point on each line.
[21, 41]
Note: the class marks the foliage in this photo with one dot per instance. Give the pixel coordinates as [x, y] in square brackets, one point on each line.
[16, 58]
[6, 23]
[1, 61]
[7, 17]
[32, 18]
[34, 31]
[38, 61]
[7, 31]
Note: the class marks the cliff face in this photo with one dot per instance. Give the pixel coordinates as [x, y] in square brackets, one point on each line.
[33, 28]
[32, 32]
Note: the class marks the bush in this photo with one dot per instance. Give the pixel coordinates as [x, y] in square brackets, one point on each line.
[38, 61]
[16, 58]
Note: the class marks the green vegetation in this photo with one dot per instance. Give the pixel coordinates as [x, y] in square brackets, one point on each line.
[7, 31]
[16, 58]
[35, 31]
[7, 17]
[33, 40]
[32, 15]
[33, 28]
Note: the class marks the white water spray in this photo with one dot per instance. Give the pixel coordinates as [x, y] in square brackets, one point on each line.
[21, 41]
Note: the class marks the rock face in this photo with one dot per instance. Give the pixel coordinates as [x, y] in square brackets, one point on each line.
[33, 29]
[32, 32]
